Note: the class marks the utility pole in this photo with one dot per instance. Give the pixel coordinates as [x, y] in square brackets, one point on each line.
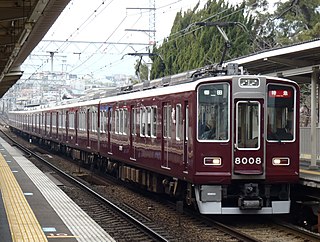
[151, 32]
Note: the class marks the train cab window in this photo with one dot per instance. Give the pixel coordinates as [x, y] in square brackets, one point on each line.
[213, 112]
[248, 125]
[280, 113]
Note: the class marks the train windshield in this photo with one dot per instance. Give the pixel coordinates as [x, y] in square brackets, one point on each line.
[213, 112]
[280, 113]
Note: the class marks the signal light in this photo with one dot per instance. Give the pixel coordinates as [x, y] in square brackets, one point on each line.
[280, 161]
[212, 161]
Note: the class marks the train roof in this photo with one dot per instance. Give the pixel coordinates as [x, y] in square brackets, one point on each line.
[154, 88]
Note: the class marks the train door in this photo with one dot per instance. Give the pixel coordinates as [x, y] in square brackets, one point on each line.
[248, 143]
[166, 134]
[185, 136]
[133, 132]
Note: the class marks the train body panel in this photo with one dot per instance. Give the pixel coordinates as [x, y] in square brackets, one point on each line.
[228, 143]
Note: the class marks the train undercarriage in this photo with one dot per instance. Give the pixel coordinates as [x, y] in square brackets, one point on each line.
[250, 197]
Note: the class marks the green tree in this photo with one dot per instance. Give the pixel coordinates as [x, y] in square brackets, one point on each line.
[292, 21]
[189, 46]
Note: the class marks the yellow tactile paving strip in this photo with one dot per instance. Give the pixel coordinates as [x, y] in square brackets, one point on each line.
[23, 224]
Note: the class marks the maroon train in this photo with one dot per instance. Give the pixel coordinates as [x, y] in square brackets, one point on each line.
[224, 141]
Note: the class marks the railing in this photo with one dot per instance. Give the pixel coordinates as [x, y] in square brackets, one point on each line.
[305, 142]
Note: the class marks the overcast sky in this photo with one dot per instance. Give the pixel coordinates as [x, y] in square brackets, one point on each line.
[112, 25]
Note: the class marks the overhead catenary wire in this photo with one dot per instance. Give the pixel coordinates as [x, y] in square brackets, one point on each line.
[86, 22]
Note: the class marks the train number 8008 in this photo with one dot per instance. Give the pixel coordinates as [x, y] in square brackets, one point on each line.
[247, 160]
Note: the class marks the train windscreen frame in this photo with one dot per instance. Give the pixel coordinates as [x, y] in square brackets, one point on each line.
[281, 113]
[213, 112]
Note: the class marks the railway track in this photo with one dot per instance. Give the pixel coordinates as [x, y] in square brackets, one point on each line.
[120, 224]
[147, 216]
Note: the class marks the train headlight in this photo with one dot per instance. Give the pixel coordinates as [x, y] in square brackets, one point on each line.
[280, 161]
[212, 161]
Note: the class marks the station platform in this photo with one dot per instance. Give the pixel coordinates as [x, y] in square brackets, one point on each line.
[34, 208]
[309, 176]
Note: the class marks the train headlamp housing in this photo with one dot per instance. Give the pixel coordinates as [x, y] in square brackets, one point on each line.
[280, 161]
[212, 161]
[249, 82]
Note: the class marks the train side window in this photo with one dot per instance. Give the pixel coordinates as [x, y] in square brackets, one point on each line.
[154, 122]
[70, 116]
[116, 121]
[80, 121]
[64, 120]
[94, 121]
[54, 118]
[103, 121]
[84, 122]
[122, 115]
[101, 114]
[178, 122]
[111, 119]
[167, 121]
[142, 122]
[48, 122]
[133, 121]
[124, 121]
[120, 121]
[187, 122]
[148, 121]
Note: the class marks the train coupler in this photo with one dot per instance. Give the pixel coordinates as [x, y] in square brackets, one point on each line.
[250, 203]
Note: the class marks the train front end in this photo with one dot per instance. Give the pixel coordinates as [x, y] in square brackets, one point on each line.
[247, 152]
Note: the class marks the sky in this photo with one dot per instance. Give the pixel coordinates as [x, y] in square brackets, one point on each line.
[111, 28]
[95, 37]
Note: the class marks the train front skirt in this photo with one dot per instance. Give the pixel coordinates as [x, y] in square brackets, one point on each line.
[209, 201]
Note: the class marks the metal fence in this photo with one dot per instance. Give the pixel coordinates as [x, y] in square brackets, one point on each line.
[305, 142]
